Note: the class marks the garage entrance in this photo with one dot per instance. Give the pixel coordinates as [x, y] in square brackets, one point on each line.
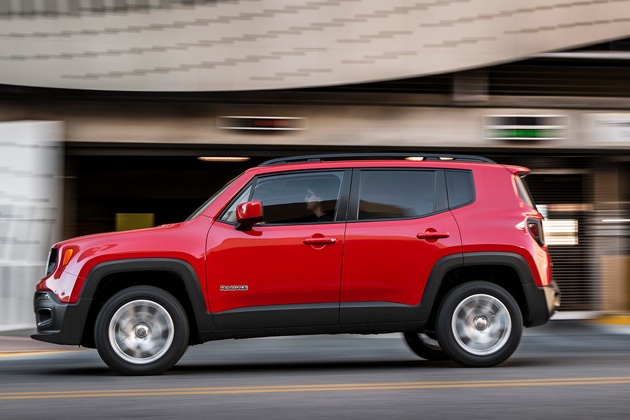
[170, 185]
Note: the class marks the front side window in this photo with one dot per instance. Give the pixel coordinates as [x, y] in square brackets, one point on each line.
[230, 214]
[396, 194]
[299, 198]
[296, 198]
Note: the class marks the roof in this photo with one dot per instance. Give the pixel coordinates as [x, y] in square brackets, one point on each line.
[412, 156]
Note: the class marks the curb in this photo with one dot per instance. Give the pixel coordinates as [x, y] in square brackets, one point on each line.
[613, 320]
[20, 343]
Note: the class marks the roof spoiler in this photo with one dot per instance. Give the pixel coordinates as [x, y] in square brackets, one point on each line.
[518, 170]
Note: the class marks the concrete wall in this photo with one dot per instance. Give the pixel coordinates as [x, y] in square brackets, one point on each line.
[276, 44]
[30, 213]
[396, 125]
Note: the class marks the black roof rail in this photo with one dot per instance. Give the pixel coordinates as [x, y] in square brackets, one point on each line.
[376, 156]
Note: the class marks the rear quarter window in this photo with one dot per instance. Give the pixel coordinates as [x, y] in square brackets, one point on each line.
[460, 188]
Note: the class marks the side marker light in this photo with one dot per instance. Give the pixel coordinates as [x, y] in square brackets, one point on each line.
[67, 256]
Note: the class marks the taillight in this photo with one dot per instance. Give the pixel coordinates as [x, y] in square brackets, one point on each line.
[535, 228]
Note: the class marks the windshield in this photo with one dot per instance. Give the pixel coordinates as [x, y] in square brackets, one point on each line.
[211, 199]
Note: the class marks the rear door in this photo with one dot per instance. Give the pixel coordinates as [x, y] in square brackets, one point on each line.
[398, 227]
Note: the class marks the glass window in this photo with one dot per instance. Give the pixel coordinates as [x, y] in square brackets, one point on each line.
[523, 191]
[211, 199]
[461, 189]
[396, 194]
[299, 198]
[230, 213]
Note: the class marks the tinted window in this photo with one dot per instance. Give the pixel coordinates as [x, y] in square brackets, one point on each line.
[230, 214]
[461, 189]
[396, 194]
[523, 191]
[299, 198]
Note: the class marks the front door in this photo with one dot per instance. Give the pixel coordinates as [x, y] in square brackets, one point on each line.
[285, 271]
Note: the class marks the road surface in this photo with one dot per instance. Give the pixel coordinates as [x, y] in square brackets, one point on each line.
[565, 370]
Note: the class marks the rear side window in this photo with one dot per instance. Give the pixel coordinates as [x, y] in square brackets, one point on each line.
[396, 194]
[461, 189]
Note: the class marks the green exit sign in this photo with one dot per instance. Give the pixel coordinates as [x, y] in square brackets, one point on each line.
[525, 133]
[525, 127]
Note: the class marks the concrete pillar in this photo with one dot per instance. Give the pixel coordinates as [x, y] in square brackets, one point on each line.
[612, 230]
[30, 213]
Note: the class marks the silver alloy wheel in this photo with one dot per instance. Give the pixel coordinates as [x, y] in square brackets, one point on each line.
[141, 331]
[481, 324]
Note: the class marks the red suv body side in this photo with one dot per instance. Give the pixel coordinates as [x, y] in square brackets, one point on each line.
[497, 221]
[343, 275]
[179, 241]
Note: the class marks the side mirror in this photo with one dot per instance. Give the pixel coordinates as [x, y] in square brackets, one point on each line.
[248, 214]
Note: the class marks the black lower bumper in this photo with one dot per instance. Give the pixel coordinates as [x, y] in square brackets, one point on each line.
[57, 322]
[542, 302]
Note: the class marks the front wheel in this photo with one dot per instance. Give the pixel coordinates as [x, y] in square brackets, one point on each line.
[142, 330]
[479, 324]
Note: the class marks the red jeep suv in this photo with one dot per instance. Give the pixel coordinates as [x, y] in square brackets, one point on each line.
[447, 249]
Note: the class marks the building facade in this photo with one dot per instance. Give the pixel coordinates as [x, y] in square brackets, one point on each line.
[130, 94]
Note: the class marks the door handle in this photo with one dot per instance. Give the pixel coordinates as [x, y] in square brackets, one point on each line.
[432, 235]
[320, 241]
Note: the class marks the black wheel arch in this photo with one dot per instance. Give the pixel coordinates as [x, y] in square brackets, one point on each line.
[506, 269]
[172, 275]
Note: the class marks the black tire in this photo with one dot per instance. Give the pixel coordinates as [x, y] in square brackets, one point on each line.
[425, 345]
[141, 330]
[479, 324]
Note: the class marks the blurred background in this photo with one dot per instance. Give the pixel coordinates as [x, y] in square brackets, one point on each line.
[116, 114]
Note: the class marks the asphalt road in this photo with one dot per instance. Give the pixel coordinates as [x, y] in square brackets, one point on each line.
[565, 370]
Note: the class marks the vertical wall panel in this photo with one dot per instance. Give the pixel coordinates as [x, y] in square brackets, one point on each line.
[30, 213]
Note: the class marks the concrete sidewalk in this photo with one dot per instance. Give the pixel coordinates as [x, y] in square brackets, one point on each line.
[20, 342]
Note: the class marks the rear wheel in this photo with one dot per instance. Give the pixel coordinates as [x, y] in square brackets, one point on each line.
[479, 324]
[142, 330]
[425, 345]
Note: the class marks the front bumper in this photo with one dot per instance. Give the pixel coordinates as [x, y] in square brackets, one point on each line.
[57, 322]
